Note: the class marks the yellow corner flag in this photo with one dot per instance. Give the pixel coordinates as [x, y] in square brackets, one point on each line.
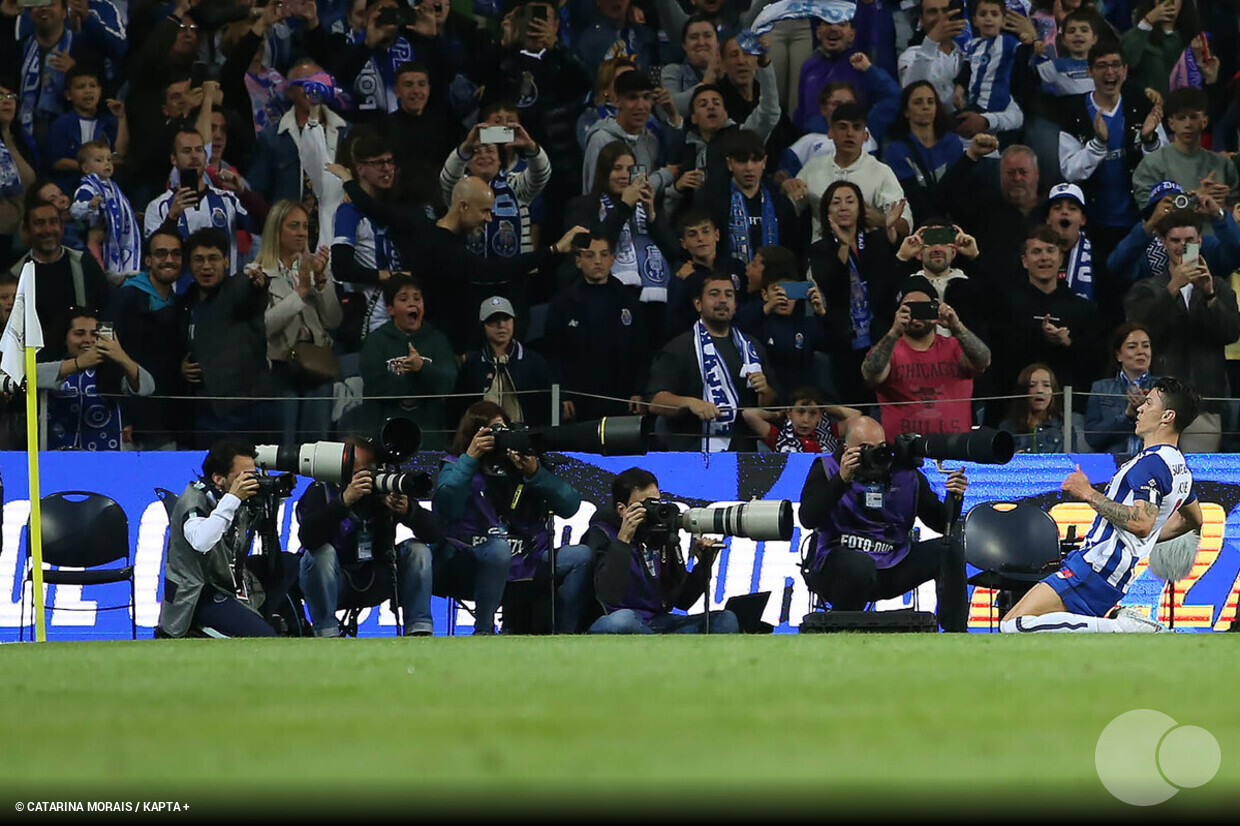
[23, 337]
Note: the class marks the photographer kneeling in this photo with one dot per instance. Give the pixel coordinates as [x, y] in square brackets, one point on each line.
[496, 506]
[350, 536]
[208, 585]
[862, 507]
[641, 576]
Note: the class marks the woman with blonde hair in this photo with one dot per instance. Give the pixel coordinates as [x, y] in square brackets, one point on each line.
[302, 307]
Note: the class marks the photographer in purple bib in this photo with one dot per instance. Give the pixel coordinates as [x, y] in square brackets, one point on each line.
[641, 574]
[496, 502]
[861, 502]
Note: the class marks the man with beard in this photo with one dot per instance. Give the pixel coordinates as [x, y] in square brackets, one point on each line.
[944, 264]
[147, 321]
[830, 62]
[924, 380]
[64, 277]
[702, 378]
[408, 365]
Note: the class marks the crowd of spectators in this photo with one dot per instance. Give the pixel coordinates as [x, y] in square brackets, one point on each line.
[285, 219]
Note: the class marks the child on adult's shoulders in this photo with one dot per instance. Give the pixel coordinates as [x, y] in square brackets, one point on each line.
[810, 425]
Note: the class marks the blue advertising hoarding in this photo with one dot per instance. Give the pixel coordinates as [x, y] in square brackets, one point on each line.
[1205, 601]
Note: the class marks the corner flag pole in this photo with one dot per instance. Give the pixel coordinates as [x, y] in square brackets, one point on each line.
[36, 517]
[22, 338]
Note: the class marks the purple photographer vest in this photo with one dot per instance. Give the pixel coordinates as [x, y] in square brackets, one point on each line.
[642, 593]
[881, 533]
[527, 535]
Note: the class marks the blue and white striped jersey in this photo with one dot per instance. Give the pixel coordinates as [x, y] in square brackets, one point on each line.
[991, 60]
[1157, 474]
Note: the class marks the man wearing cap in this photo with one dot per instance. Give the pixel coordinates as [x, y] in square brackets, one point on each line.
[1144, 252]
[1103, 135]
[1065, 213]
[635, 100]
[504, 371]
[407, 364]
[924, 380]
[351, 553]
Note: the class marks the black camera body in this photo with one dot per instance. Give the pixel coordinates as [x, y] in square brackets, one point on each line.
[272, 487]
[662, 520]
[1185, 200]
[981, 444]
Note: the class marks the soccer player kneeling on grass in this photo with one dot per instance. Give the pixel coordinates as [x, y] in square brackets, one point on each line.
[1149, 500]
[640, 575]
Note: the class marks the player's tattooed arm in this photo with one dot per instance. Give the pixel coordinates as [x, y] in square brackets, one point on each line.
[1137, 518]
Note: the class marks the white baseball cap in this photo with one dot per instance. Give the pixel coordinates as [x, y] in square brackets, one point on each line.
[1066, 191]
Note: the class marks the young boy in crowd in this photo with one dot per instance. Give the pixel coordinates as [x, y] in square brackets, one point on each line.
[84, 123]
[984, 101]
[114, 235]
[810, 426]
[1068, 74]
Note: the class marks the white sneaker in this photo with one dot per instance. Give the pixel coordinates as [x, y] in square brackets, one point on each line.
[1133, 621]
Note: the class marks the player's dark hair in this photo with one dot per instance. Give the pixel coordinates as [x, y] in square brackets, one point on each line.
[1181, 398]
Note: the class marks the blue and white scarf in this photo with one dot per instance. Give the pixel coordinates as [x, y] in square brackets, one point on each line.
[738, 224]
[1156, 254]
[832, 11]
[717, 386]
[375, 86]
[1079, 269]
[44, 98]
[122, 245]
[639, 261]
[859, 311]
[10, 179]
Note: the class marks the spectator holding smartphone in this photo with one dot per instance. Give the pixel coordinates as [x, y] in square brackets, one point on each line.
[924, 380]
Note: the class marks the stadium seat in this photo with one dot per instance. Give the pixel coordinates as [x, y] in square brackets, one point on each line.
[1014, 545]
[81, 536]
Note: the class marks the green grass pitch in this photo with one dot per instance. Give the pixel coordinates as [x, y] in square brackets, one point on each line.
[962, 726]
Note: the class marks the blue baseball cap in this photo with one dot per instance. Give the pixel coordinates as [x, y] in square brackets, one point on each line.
[1159, 191]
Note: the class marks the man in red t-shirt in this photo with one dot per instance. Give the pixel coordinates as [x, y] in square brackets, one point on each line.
[922, 370]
